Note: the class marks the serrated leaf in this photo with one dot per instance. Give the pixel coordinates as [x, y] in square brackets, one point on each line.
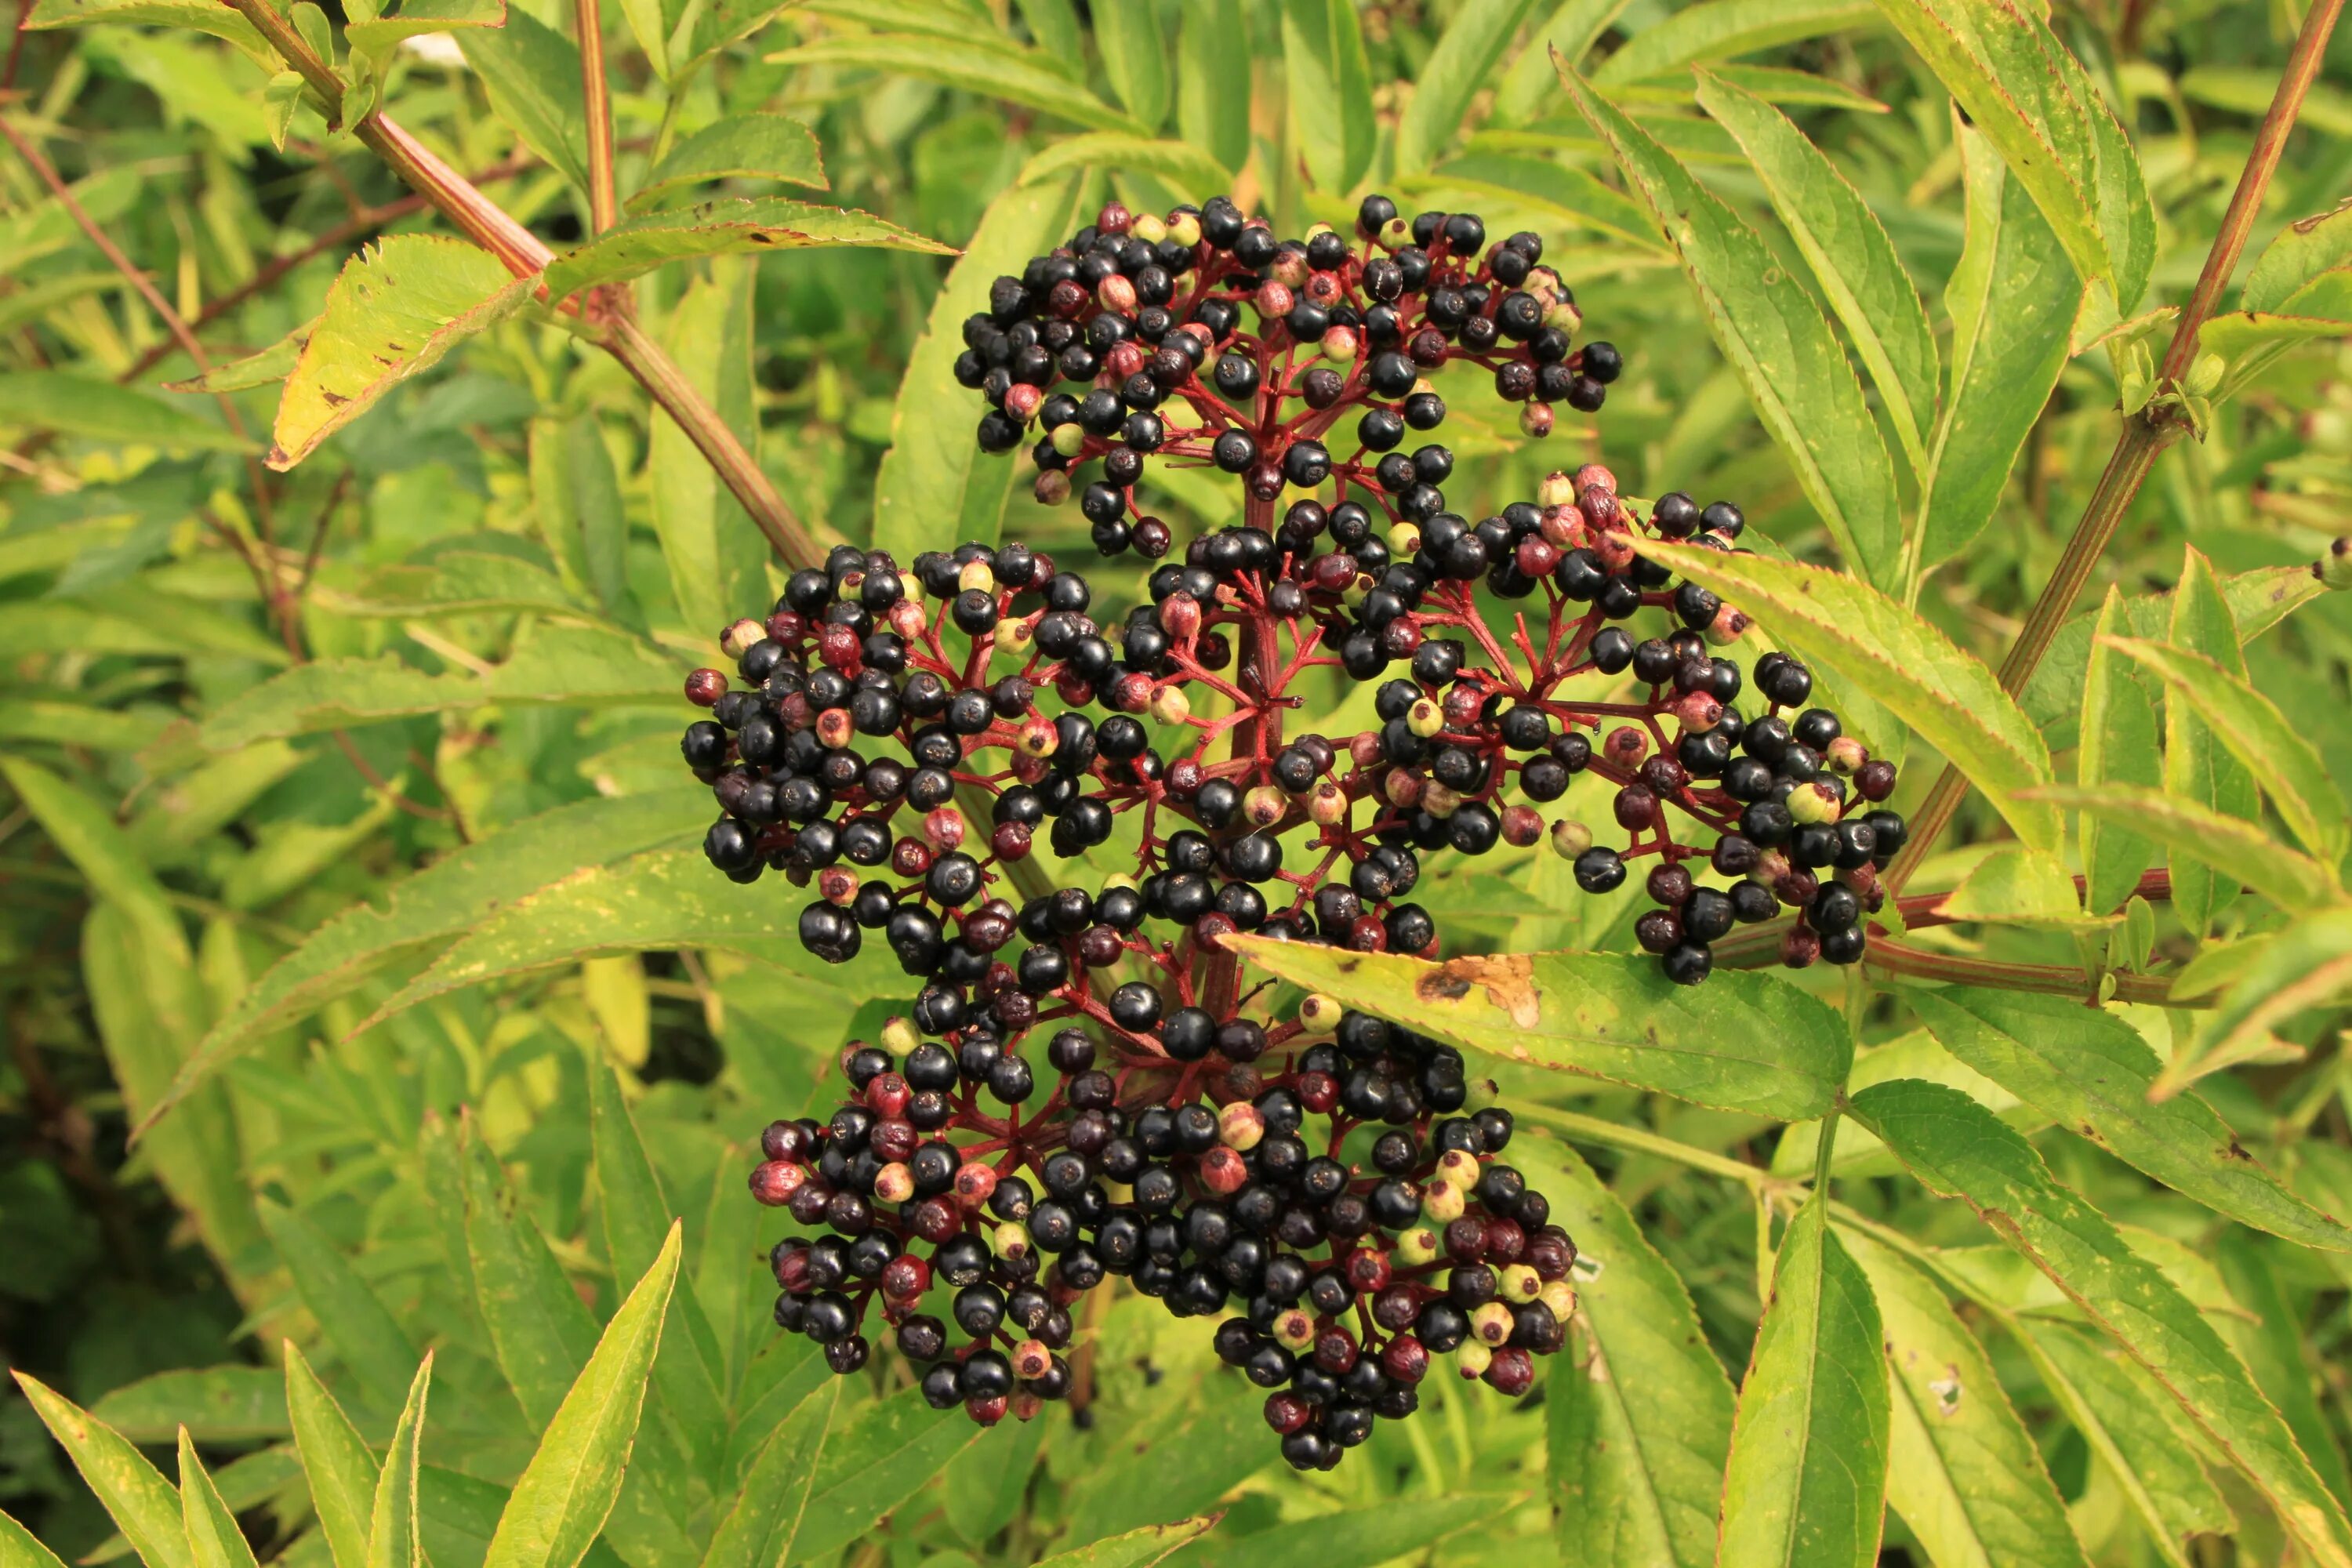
[1956, 1148]
[734, 226]
[214, 1539]
[533, 75]
[201, 15]
[2136, 1430]
[1457, 69]
[1181, 165]
[2193, 834]
[933, 472]
[2093, 1073]
[1845, 246]
[2118, 745]
[1330, 91]
[2012, 298]
[1639, 1411]
[1962, 1471]
[366, 1337]
[1945, 694]
[392, 1519]
[569, 1487]
[874, 1462]
[140, 1500]
[1755, 1044]
[2266, 744]
[1796, 375]
[2299, 253]
[342, 1472]
[392, 313]
[742, 146]
[2274, 1348]
[79, 405]
[373, 39]
[1718, 29]
[2307, 965]
[230, 1403]
[988, 67]
[760, 1529]
[2030, 99]
[1807, 1478]
[1213, 80]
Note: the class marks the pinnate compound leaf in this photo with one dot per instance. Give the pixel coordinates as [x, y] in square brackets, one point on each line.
[1962, 1471]
[2093, 1073]
[759, 1531]
[1945, 694]
[392, 313]
[1807, 1478]
[140, 1501]
[1639, 1412]
[2198, 838]
[933, 471]
[990, 67]
[342, 1473]
[733, 226]
[568, 1489]
[1455, 71]
[2263, 741]
[1756, 1044]
[1849, 252]
[392, 1519]
[1797, 375]
[1719, 29]
[1956, 1148]
[214, 1539]
[94, 410]
[742, 146]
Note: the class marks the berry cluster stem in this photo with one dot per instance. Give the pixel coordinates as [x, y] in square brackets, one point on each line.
[2145, 434]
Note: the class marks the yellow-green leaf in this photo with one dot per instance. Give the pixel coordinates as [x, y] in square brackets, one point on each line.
[342, 1473]
[743, 147]
[2117, 745]
[731, 225]
[391, 1518]
[141, 1502]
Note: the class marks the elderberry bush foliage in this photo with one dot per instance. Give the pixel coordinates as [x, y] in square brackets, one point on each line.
[1147, 319]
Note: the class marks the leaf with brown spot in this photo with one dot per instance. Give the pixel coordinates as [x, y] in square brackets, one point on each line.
[1744, 1041]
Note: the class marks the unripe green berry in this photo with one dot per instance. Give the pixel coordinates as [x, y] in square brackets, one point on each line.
[1569, 838]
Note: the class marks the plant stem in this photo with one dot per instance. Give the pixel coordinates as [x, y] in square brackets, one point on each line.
[1894, 958]
[595, 97]
[2144, 434]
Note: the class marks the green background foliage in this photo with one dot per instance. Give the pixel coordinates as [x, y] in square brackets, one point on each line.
[347, 580]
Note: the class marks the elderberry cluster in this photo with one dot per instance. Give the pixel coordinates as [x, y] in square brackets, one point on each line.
[1321, 1186]
[1150, 319]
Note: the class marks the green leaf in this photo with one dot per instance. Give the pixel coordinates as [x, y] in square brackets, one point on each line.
[872, 1464]
[983, 1488]
[2194, 834]
[1569, 193]
[1154, 1542]
[446, 899]
[140, 1501]
[201, 16]
[1213, 80]
[373, 40]
[99, 411]
[741, 147]
[1181, 164]
[1054, 24]
[1571, 30]
[161, 628]
[1640, 1414]
[1755, 1044]
[217, 1405]
[730, 225]
[1796, 373]
[1807, 1478]
[533, 75]
[342, 1472]
[2032, 99]
[760, 1527]
[392, 1519]
[2197, 769]
[1956, 1148]
[933, 477]
[1772, 84]
[716, 555]
[393, 312]
[366, 1337]
[2307, 965]
[2012, 298]
[1135, 58]
[2117, 746]
[98, 849]
[541, 1332]
[2265, 743]
[454, 582]
[990, 67]
[2133, 1427]
[1329, 85]
[1843, 243]
[1945, 694]
[273, 364]
[576, 499]
[1456, 71]
[1360, 1537]
[2019, 887]
[2093, 1073]
[1719, 29]
[1962, 1471]
[20, 1548]
[573, 1480]
[214, 1539]
[2275, 1350]
[2300, 253]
